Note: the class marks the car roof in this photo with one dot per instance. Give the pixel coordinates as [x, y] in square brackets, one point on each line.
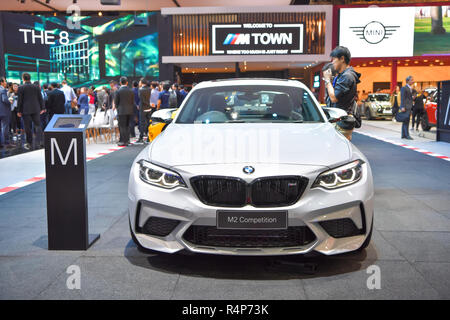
[250, 81]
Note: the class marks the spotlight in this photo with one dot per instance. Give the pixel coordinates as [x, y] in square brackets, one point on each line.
[100, 13]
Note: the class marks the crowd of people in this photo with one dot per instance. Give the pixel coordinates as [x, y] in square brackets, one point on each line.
[27, 108]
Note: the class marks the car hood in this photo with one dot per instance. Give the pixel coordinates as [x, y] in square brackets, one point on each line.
[316, 144]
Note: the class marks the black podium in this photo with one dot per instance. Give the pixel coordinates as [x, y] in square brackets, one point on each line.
[65, 168]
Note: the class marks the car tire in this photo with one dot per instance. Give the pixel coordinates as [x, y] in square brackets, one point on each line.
[367, 241]
[368, 114]
[425, 123]
[138, 245]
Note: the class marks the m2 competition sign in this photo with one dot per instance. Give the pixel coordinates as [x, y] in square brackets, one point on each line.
[256, 38]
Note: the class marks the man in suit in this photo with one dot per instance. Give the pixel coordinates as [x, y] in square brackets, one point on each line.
[406, 105]
[124, 103]
[5, 113]
[56, 101]
[30, 105]
[145, 110]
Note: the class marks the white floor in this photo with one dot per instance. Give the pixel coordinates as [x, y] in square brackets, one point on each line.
[392, 130]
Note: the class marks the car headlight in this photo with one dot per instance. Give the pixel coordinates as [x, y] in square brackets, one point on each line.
[158, 176]
[341, 176]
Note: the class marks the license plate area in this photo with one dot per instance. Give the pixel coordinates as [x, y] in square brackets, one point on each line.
[251, 220]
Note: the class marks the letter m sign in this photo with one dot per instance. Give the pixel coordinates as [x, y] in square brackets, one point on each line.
[54, 145]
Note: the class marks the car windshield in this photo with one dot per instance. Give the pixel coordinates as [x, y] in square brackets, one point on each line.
[379, 97]
[237, 104]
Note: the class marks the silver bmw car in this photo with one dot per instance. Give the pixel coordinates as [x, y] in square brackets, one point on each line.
[251, 167]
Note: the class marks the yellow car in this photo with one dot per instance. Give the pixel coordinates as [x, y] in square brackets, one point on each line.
[158, 122]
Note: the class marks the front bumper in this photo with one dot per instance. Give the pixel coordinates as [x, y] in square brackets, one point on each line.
[354, 202]
[382, 112]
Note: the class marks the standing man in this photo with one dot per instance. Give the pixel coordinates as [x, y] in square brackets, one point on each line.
[30, 106]
[342, 92]
[124, 103]
[145, 110]
[418, 110]
[56, 101]
[70, 96]
[163, 98]
[5, 113]
[395, 99]
[183, 92]
[154, 97]
[406, 105]
[135, 118]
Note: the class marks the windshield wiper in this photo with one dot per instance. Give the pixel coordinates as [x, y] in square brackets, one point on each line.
[235, 121]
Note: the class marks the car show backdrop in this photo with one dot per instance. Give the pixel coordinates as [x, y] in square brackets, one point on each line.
[83, 50]
[249, 33]
[395, 31]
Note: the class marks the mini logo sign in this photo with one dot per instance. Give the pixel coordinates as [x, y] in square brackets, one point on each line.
[374, 32]
[248, 169]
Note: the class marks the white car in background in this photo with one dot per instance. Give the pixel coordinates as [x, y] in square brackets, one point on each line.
[251, 167]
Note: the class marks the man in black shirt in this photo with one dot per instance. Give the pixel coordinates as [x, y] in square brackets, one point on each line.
[124, 103]
[30, 105]
[56, 101]
[342, 91]
[145, 110]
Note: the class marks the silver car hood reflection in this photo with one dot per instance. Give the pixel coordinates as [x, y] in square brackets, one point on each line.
[317, 144]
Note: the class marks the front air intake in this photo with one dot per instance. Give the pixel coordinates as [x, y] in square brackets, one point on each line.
[341, 228]
[156, 226]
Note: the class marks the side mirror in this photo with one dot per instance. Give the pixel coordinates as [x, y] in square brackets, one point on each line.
[333, 120]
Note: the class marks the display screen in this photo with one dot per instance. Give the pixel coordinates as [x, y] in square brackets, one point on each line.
[137, 57]
[395, 31]
[83, 50]
[257, 38]
[68, 122]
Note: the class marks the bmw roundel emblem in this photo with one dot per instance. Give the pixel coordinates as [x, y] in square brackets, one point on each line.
[248, 169]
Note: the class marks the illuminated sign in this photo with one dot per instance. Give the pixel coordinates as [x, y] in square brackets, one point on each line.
[257, 38]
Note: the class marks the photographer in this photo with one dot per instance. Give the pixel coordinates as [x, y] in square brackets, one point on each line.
[342, 90]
